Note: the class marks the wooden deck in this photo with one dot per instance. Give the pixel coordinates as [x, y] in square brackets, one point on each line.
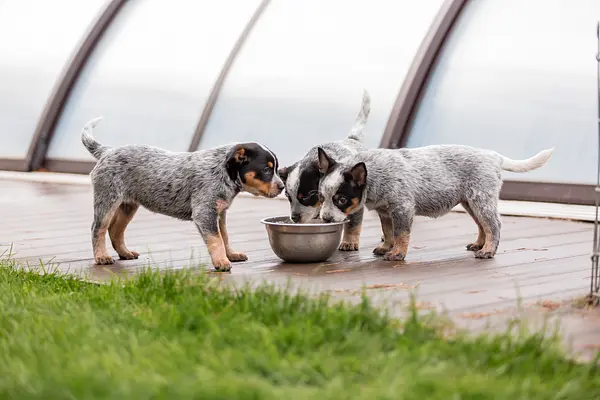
[542, 262]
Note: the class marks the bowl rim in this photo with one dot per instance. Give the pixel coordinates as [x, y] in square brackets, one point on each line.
[265, 222]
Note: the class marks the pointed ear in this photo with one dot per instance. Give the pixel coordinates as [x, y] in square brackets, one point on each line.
[236, 157]
[285, 171]
[325, 162]
[359, 173]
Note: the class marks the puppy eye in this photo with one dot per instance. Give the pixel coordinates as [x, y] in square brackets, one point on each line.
[266, 170]
[342, 200]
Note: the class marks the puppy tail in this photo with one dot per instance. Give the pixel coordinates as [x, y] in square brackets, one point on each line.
[91, 144]
[527, 165]
[357, 132]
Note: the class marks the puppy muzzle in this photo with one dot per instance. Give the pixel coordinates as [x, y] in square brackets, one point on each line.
[273, 190]
[329, 217]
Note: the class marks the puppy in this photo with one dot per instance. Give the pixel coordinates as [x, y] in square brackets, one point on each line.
[427, 181]
[302, 179]
[197, 186]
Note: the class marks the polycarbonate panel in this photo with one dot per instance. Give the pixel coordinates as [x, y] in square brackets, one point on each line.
[37, 39]
[298, 80]
[151, 74]
[517, 77]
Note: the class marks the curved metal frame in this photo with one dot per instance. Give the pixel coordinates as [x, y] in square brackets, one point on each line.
[395, 134]
[418, 74]
[412, 91]
[36, 156]
[216, 89]
[62, 89]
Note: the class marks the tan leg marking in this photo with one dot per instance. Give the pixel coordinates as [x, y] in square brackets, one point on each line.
[116, 231]
[101, 256]
[399, 248]
[480, 242]
[231, 255]
[388, 239]
[481, 238]
[217, 252]
[488, 250]
[351, 240]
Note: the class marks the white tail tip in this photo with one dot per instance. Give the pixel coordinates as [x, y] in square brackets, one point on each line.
[529, 164]
[92, 123]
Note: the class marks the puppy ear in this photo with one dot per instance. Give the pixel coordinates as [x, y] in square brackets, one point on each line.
[325, 162]
[358, 173]
[283, 174]
[285, 171]
[236, 157]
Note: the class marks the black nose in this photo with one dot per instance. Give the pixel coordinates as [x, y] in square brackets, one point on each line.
[327, 219]
[295, 217]
[280, 186]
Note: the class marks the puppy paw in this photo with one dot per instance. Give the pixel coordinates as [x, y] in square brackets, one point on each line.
[348, 246]
[130, 255]
[223, 265]
[474, 247]
[104, 260]
[484, 254]
[390, 256]
[235, 256]
[380, 250]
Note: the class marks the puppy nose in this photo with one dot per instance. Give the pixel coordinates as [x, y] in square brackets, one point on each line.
[295, 217]
[280, 186]
[327, 218]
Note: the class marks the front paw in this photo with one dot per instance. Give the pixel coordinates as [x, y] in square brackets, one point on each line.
[104, 260]
[348, 246]
[484, 254]
[235, 256]
[131, 255]
[474, 246]
[223, 265]
[393, 256]
[381, 250]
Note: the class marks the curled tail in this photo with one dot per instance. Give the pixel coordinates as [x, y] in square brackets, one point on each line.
[527, 165]
[357, 132]
[95, 148]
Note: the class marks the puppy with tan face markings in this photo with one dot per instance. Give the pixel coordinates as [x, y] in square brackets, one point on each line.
[302, 179]
[428, 181]
[197, 186]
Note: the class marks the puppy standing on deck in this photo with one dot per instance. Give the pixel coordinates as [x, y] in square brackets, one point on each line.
[426, 181]
[302, 178]
[197, 186]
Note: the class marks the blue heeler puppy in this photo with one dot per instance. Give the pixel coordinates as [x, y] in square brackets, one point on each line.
[302, 178]
[197, 186]
[428, 181]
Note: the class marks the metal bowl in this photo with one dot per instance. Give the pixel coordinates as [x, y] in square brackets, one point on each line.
[303, 243]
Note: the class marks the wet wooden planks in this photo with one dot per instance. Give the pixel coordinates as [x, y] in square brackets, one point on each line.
[538, 258]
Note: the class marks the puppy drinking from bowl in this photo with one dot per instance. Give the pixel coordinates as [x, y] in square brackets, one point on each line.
[427, 181]
[197, 186]
[302, 179]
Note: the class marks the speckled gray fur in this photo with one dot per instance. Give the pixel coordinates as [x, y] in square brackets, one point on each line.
[188, 185]
[342, 150]
[429, 181]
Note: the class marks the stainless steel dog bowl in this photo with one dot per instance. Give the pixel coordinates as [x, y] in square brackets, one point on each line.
[303, 243]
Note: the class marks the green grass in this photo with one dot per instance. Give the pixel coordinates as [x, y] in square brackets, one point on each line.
[182, 336]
